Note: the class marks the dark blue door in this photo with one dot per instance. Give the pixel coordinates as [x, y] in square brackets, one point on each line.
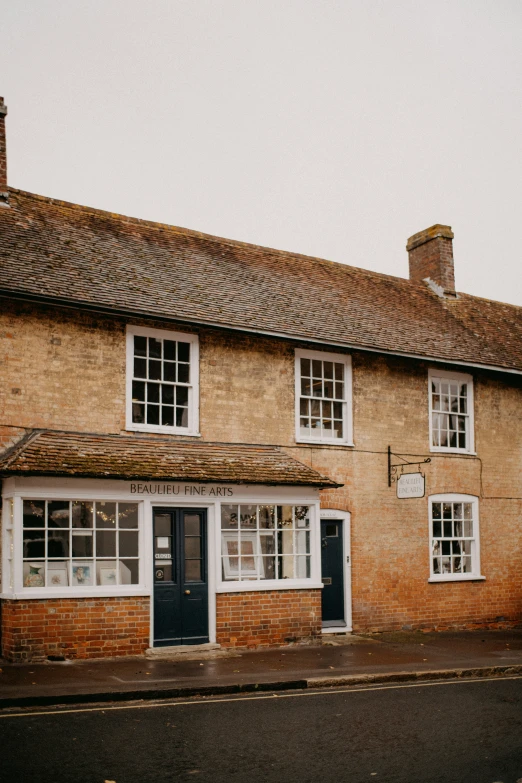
[332, 572]
[180, 576]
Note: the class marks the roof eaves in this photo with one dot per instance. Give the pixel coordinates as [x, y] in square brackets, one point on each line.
[107, 310]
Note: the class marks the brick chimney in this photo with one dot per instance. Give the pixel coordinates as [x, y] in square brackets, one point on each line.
[4, 196]
[431, 255]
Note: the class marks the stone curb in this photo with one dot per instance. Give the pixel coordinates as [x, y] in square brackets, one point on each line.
[156, 694]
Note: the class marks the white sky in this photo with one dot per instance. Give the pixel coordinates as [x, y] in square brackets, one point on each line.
[335, 128]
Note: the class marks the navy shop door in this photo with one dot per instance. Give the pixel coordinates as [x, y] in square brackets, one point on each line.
[180, 576]
[332, 573]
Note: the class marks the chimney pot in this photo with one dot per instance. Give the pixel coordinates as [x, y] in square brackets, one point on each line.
[4, 194]
[431, 256]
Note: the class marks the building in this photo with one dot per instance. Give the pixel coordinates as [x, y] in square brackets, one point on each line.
[204, 440]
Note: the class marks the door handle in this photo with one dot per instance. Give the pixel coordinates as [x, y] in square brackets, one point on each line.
[187, 592]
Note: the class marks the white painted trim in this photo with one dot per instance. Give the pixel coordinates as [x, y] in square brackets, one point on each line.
[433, 372]
[345, 517]
[193, 388]
[475, 556]
[346, 360]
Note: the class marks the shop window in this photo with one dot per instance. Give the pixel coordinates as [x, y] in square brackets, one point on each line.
[323, 397]
[451, 411]
[454, 537]
[261, 542]
[73, 543]
[162, 381]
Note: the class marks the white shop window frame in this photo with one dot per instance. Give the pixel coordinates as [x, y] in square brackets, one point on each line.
[346, 360]
[313, 582]
[12, 584]
[470, 418]
[193, 388]
[475, 557]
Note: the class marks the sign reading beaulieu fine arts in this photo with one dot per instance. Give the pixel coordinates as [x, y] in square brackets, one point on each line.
[182, 490]
[410, 485]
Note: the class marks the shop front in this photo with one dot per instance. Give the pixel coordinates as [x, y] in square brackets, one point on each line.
[100, 566]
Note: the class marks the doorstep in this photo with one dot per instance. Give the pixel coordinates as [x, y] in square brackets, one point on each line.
[186, 652]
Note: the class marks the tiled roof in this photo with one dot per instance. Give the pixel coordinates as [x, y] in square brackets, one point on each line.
[54, 250]
[50, 453]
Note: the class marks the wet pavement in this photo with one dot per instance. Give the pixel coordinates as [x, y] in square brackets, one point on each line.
[393, 655]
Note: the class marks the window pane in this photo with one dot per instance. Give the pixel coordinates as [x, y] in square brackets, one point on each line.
[305, 367]
[82, 544]
[267, 543]
[34, 513]
[328, 370]
[128, 515]
[129, 572]
[140, 368]
[181, 417]
[169, 350]
[140, 346]
[83, 574]
[267, 568]
[154, 370]
[183, 373]
[154, 348]
[317, 369]
[138, 413]
[82, 514]
[302, 516]
[192, 525]
[128, 543]
[248, 516]
[183, 352]
[181, 395]
[266, 517]
[138, 391]
[169, 372]
[303, 568]
[152, 414]
[193, 570]
[58, 513]
[192, 546]
[105, 543]
[167, 415]
[153, 392]
[34, 543]
[229, 517]
[306, 387]
[286, 568]
[105, 515]
[339, 371]
[34, 574]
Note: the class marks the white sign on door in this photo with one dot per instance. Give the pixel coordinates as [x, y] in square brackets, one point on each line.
[410, 485]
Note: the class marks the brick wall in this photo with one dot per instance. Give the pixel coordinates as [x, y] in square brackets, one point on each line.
[55, 363]
[75, 627]
[268, 617]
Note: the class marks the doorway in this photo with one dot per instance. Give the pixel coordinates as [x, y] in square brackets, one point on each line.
[180, 576]
[335, 573]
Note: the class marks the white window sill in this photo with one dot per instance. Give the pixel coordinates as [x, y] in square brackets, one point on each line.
[444, 450]
[337, 629]
[325, 441]
[268, 584]
[162, 430]
[457, 578]
[42, 593]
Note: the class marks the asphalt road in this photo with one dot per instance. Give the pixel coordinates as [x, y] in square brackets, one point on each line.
[449, 732]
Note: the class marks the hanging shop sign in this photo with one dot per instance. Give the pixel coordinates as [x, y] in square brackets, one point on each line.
[411, 485]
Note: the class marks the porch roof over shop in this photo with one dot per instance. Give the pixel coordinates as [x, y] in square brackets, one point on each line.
[50, 453]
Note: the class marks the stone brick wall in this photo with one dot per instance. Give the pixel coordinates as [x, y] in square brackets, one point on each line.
[75, 628]
[268, 617]
[65, 370]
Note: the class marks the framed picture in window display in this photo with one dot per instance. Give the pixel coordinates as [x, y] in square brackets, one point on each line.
[108, 575]
[57, 575]
[82, 574]
[236, 557]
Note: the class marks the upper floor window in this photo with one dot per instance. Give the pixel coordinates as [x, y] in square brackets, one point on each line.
[451, 411]
[323, 397]
[454, 538]
[162, 381]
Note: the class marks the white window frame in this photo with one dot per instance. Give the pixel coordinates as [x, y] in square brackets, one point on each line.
[13, 587]
[193, 389]
[470, 429]
[475, 549]
[263, 585]
[346, 360]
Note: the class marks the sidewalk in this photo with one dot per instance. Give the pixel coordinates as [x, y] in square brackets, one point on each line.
[339, 660]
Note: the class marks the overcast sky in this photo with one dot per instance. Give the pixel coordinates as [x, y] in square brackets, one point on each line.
[334, 128]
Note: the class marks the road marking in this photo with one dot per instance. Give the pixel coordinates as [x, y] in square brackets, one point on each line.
[257, 696]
